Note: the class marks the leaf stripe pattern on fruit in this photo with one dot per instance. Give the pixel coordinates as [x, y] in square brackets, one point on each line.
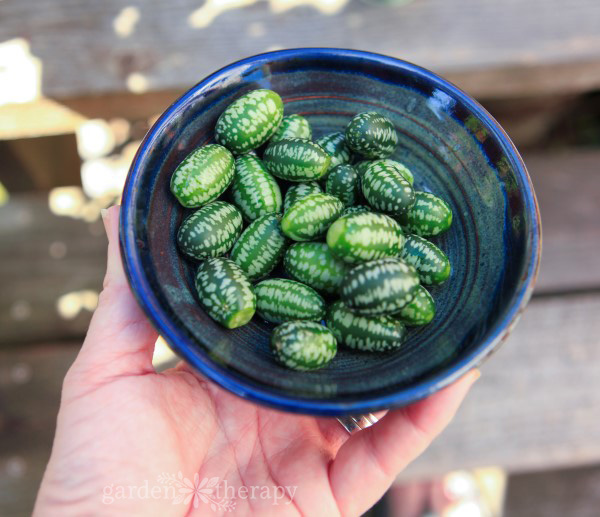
[429, 216]
[280, 299]
[386, 190]
[431, 262]
[303, 345]
[366, 333]
[292, 126]
[255, 192]
[249, 121]
[371, 135]
[294, 159]
[210, 231]
[343, 182]
[260, 247]
[379, 287]
[225, 292]
[419, 311]
[364, 236]
[298, 191]
[356, 209]
[310, 216]
[313, 264]
[334, 144]
[202, 176]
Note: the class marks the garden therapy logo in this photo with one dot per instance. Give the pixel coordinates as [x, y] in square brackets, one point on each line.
[196, 491]
[219, 495]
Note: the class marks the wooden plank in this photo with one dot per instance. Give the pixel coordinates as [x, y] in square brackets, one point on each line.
[42, 258]
[567, 185]
[536, 405]
[572, 492]
[170, 45]
[30, 383]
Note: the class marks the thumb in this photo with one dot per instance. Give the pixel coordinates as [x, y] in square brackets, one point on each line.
[120, 339]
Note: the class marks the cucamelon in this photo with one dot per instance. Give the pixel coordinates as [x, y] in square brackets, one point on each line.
[429, 216]
[420, 310]
[361, 168]
[364, 236]
[298, 191]
[343, 182]
[260, 247]
[371, 135]
[303, 345]
[202, 176]
[295, 159]
[210, 231]
[366, 333]
[249, 121]
[379, 287]
[292, 126]
[386, 190]
[313, 264]
[255, 192]
[225, 292]
[310, 216]
[280, 299]
[431, 262]
[334, 144]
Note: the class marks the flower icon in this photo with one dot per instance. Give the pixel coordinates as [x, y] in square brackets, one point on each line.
[193, 491]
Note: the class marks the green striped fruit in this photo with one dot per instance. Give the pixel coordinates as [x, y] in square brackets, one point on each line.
[343, 182]
[280, 299]
[249, 121]
[310, 216]
[356, 209]
[225, 292]
[202, 176]
[431, 262]
[292, 126]
[255, 192]
[402, 169]
[364, 236]
[303, 345]
[313, 264]
[429, 216]
[371, 135]
[295, 159]
[260, 247]
[379, 287]
[298, 191]
[366, 333]
[420, 310]
[210, 231]
[386, 190]
[361, 168]
[334, 144]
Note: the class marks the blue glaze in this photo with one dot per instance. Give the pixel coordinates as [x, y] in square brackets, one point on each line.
[454, 148]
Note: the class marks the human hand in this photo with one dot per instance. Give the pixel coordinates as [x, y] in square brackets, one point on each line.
[120, 423]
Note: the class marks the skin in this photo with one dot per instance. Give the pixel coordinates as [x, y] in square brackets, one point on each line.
[121, 423]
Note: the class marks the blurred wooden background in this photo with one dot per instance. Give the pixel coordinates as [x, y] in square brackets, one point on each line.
[80, 82]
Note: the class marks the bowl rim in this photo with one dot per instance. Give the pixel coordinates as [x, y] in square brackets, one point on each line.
[178, 341]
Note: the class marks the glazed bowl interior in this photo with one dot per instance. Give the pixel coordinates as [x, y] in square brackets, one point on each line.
[454, 149]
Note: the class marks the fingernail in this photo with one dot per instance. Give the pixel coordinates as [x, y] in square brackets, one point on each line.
[476, 374]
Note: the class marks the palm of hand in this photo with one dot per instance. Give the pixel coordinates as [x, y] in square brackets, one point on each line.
[121, 424]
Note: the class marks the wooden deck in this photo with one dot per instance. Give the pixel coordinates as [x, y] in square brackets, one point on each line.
[535, 406]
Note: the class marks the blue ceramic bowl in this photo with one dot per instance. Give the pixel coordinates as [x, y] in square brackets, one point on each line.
[455, 150]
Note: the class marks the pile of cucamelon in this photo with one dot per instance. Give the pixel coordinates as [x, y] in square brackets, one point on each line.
[351, 231]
